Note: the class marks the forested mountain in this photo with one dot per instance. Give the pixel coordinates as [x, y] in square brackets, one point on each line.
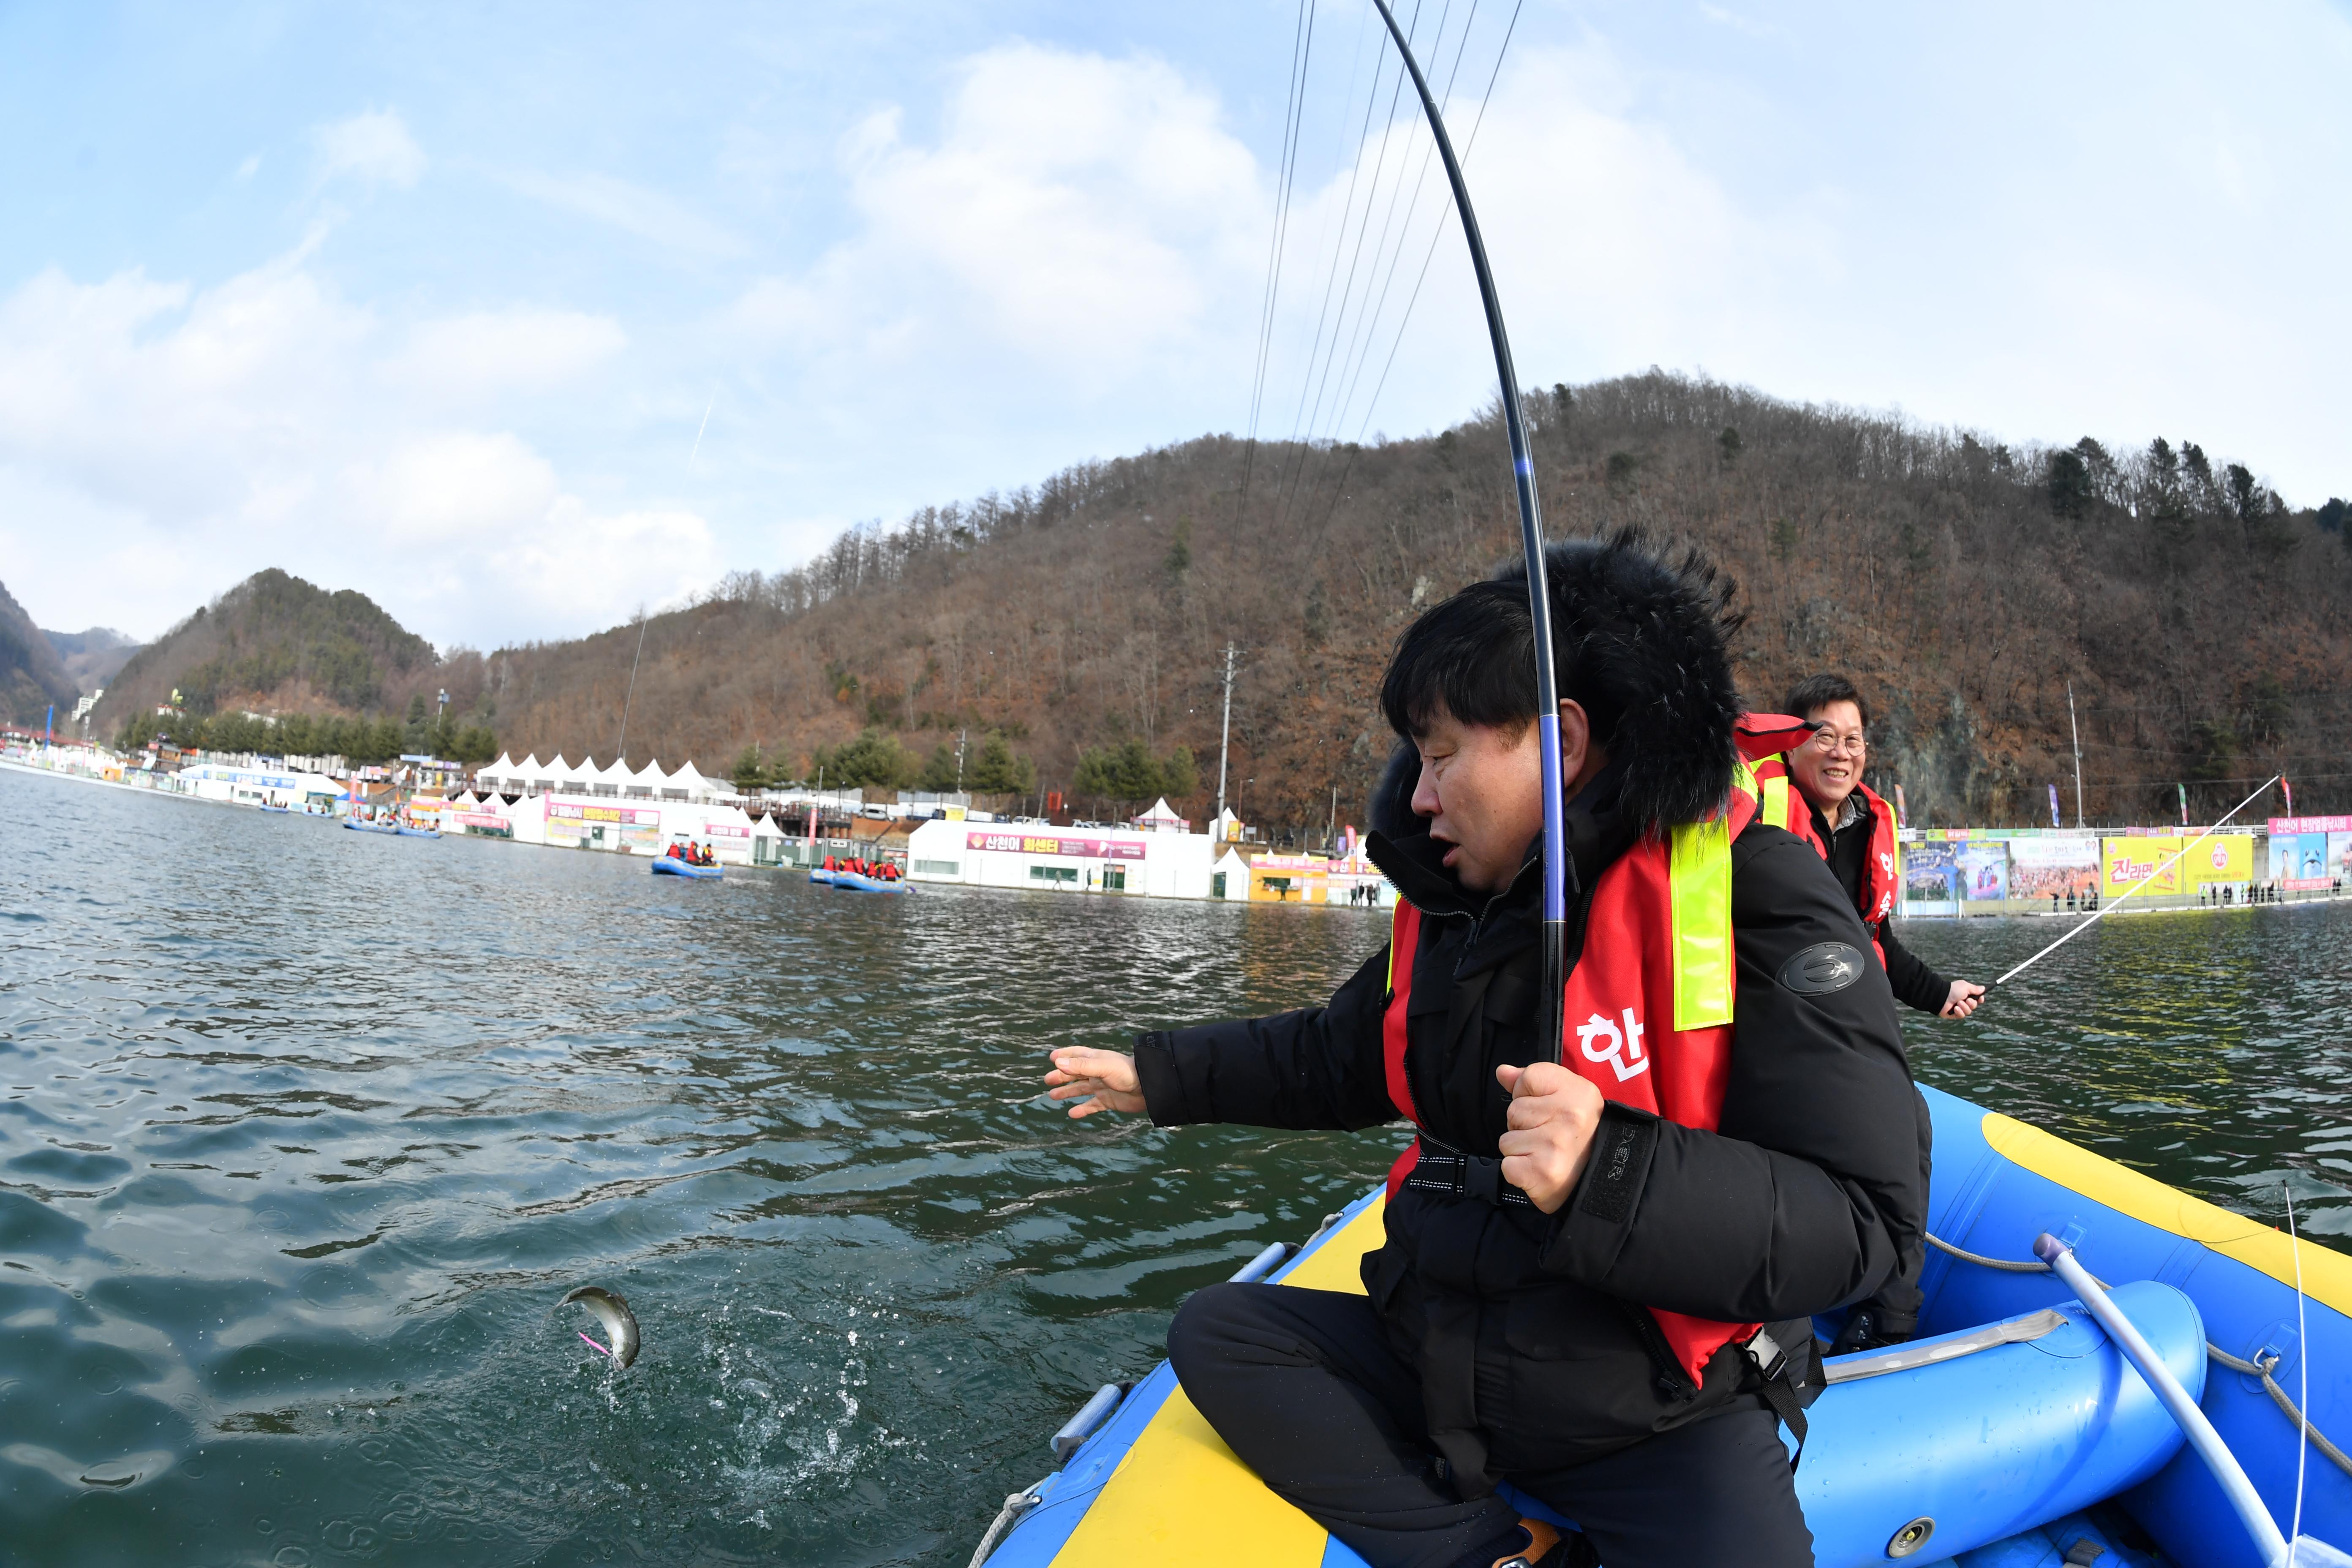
[32, 679]
[91, 657]
[342, 674]
[2205, 626]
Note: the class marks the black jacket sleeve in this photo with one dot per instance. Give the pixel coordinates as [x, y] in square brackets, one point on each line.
[1318, 1067]
[1811, 1189]
[1916, 981]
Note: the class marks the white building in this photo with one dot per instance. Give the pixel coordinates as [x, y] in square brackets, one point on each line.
[1058, 859]
[259, 785]
[613, 781]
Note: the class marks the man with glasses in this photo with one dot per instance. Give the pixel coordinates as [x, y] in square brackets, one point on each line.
[1853, 827]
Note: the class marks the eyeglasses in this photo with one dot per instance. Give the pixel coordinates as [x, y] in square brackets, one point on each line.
[1831, 745]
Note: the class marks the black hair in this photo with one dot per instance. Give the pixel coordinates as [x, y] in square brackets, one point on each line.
[1638, 642]
[1815, 692]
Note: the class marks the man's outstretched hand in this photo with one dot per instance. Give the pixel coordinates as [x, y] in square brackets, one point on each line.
[1105, 1079]
[1552, 1118]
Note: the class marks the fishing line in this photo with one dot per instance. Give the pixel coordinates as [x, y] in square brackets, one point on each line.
[2104, 910]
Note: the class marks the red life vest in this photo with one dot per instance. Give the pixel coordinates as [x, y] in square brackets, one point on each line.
[1783, 805]
[1648, 1007]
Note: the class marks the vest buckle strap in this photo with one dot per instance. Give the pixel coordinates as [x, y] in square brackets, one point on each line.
[1464, 1176]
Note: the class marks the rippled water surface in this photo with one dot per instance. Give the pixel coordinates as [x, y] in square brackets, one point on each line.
[304, 1132]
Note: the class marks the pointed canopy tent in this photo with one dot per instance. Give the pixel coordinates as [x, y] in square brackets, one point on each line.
[614, 778]
[1160, 818]
[521, 777]
[689, 779]
[647, 782]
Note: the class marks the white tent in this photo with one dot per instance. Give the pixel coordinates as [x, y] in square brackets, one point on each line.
[647, 782]
[615, 779]
[696, 787]
[1162, 818]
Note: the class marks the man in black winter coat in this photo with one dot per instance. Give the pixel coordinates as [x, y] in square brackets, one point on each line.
[1511, 1330]
[1827, 774]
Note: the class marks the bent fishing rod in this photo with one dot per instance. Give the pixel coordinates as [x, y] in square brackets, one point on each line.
[2105, 909]
[1531, 540]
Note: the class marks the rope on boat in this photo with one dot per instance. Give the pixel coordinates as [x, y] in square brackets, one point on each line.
[1016, 1505]
[2262, 1367]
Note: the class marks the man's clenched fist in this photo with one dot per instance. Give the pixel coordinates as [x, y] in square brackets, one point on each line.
[1552, 1118]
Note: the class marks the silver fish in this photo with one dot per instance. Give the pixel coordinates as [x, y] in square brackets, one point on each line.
[612, 1313]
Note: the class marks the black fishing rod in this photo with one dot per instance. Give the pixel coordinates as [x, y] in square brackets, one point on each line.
[1523, 472]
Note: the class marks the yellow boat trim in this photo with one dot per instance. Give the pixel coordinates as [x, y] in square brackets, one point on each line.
[2326, 1276]
[1180, 1498]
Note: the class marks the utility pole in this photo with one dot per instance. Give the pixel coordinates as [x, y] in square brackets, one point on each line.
[1225, 736]
[2077, 730]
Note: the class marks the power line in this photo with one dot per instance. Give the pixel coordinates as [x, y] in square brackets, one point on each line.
[1468, 147]
[1302, 50]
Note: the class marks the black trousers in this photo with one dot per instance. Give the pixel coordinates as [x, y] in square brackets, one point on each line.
[1305, 1388]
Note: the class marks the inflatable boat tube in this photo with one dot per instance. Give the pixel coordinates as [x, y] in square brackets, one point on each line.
[671, 866]
[358, 827]
[2002, 1447]
[418, 832]
[858, 882]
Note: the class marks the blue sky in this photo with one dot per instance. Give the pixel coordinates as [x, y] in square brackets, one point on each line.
[433, 304]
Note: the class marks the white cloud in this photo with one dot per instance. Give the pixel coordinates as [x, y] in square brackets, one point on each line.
[648, 214]
[1086, 215]
[462, 357]
[374, 147]
[199, 435]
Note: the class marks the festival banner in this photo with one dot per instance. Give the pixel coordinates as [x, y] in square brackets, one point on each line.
[2125, 862]
[1040, 844]
[1983, 865]
[2310, 860]
[1930, 880]
[2041, 867]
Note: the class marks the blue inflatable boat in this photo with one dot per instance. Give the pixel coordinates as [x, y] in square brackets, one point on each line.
[854, 881]
[356, 826]
[2012, 1434]
[671, 866]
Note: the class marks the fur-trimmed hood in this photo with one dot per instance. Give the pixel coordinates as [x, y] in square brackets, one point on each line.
[1646, 634]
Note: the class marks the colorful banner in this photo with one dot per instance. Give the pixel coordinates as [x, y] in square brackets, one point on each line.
[726, 830]
[609, 815]
[1930, 879]
[1983, 870]
[2054, 807]
[2310, 860]
[2125, 862]
[2223, 858]
[1034, 844]
[2040, 868]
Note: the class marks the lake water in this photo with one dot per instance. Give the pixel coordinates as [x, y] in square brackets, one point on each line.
[303, 1134]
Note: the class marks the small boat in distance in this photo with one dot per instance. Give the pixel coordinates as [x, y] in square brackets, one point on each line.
[855, 882]
[671, 866]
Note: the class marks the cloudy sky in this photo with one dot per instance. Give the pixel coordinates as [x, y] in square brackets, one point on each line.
[515, 321]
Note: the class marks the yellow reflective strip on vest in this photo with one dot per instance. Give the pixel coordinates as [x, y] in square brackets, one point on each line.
[1396, 918]
[1774, 805]
[1699, 883]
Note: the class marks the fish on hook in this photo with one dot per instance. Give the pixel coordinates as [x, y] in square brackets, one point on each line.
[613, 1312]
